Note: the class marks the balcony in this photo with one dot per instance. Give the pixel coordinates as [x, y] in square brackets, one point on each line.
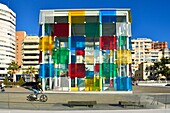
[31, 57]
[30, 62]
[31, 51]
[31, 46]
[26, 67]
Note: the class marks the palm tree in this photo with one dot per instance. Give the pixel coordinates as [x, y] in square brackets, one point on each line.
[31, 71]
[12, 68]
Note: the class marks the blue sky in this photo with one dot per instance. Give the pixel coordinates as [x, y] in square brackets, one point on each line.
[150, 18]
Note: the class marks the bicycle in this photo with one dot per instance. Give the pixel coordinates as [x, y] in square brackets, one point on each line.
[42, 97]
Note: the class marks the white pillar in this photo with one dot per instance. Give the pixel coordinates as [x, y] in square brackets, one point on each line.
[50, 78]
[69, 84]
[50, 82]
[43, 79]
[56, 81]
[43, 84]
[75, 81]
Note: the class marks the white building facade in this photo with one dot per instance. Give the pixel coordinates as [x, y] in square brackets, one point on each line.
[140, 52]
[7, 38]
[30, 54]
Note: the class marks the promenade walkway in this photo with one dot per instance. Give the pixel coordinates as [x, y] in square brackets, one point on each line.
[156, 97]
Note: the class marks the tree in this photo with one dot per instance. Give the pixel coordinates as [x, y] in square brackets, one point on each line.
[161, 68]
[12, 68]
[31, 71]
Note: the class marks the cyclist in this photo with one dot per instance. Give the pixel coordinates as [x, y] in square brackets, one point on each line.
[37, 89]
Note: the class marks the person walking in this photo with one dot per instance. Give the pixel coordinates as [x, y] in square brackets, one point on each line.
[2, 87]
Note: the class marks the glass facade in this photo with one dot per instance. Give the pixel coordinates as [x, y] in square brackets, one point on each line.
[85, 50]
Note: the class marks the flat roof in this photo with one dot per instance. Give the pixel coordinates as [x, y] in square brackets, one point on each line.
[88, 9]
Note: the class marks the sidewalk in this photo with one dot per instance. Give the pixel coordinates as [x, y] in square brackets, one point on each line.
[135, 90]
[17, 89]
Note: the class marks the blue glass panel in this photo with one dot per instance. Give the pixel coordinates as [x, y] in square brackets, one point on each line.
[80, 45]
[119, 82]
[108, 19]
[73, 59]
[49, 70]
[78, 42]
[42, 71]
[128, 83]
[73, 51]
[89, 74]
[108, 13]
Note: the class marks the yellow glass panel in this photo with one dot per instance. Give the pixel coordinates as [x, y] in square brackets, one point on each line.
[77, 13]
[76, 16]
[46, 43]
[89, 59]
[89, 82]
[124, 57]
[130, 16]
[74, 89]
[88, 88]
[111, 52]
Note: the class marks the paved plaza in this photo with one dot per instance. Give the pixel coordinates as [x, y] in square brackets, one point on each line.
[153, 97]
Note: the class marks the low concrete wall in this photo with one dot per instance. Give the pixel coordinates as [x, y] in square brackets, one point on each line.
[152, 84]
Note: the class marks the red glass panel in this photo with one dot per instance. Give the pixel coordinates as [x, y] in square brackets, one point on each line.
[96, 67]
[77, 70]
[80, 52]
[108, 42]
[61, 29]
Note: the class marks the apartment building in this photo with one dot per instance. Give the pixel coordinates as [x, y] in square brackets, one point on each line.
[166, 53]
[7, 38]
[30, 54]
[159, 45]
[156, 55]
[140, 52]
[144, 53]
[20, 35]
[144, 71]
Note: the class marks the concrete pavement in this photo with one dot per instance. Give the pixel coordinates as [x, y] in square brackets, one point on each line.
[15, 98]
[90, 111]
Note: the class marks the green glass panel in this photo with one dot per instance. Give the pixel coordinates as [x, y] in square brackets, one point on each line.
[92, 29]
[111, 70]
[115, 70]
[64, 56]
[47, 27]
[106, 70]
[122, 42]
[95, 88]
[54, 54]
[97, 83]
[100, 70]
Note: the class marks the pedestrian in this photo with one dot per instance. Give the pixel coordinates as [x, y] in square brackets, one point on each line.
[2, 87]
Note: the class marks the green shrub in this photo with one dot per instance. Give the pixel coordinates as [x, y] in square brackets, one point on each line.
[6, 80]
[21, 81]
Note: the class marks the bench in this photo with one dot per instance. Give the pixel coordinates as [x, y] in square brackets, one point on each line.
[130, 103]
[81, 103]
